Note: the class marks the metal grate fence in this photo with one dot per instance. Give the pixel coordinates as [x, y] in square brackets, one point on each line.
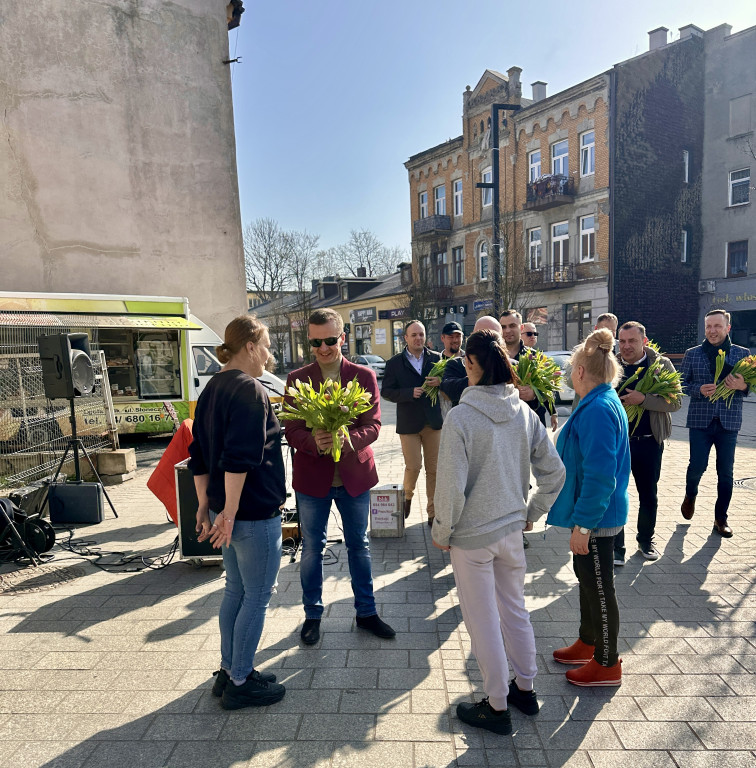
[34, 431]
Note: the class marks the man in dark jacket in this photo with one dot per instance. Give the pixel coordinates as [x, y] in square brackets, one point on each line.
[418, 421]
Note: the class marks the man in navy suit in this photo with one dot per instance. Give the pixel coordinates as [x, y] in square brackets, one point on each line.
[418, 421]
[713, 424]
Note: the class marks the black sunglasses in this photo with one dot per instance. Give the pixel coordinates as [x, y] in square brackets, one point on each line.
[531, 333]
[329, 342]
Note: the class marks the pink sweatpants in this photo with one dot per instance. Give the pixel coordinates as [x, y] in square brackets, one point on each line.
[491, 588]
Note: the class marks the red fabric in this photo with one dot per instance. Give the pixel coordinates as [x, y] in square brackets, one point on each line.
[313, 473]
[162, 481]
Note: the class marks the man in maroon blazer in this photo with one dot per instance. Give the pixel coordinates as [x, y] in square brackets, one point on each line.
[319, 481]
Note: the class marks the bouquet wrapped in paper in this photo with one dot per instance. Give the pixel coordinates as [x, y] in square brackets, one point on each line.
[332, 407]
[539, 372]
[437, 370]
[655, 380]
[746, 367]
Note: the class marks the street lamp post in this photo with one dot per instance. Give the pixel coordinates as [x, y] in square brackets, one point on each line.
[494, 186]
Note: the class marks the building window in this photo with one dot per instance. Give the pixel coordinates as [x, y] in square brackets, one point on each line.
[740, 182]
[458, 259]
[442, 269]
[423, 205]
[587, 154]
[483, 261]
[560, 244]
[458, 197]
[684, 246]
[535, 248]
[534, 165]
[686, 166]
[737, 259]
[344, 293]
[587, 238]
[559, 165]
[486, 193]
[425, 270]
[577, 323]
[439, 200]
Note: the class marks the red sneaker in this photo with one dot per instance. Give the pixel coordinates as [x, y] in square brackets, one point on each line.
[593, 674]
[578, 653]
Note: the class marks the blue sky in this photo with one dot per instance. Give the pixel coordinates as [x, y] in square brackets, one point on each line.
[333, 96]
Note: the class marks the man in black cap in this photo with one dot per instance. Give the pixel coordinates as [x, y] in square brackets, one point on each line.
[451, 337]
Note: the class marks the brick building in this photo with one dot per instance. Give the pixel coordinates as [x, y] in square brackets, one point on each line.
[600, 199]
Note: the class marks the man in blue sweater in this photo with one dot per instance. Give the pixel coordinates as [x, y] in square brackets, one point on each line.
[713, 423]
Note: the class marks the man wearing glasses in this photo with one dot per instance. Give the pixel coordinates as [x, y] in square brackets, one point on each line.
[318, 481]
[529, 334]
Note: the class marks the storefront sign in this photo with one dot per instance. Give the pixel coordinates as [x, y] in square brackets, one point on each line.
[380, 335]
[362, 315]
[484, 304]
[389, 314]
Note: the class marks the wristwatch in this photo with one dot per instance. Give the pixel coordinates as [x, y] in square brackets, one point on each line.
[584, 530]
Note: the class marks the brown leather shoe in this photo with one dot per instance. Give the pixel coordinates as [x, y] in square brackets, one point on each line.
[407, 505]
[722, 529]
[688, 507]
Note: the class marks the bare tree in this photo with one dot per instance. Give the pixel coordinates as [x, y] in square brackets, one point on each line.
[420, 295]
[265, 258]
[364, 249]
[302, 270]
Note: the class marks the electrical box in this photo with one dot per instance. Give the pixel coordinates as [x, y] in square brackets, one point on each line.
[387, 511]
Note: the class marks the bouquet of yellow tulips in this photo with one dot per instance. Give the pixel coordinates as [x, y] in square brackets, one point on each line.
[332, 407]
[746, 367]
[539, 372]
[656, 380]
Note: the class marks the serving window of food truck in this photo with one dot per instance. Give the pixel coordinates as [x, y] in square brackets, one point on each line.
[142, 365]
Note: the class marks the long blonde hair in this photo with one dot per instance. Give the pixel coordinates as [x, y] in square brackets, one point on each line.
[239, 331]
[596, 355]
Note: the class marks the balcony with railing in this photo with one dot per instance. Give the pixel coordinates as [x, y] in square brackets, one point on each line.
[433, 226]
[549, 192]
[554, 276]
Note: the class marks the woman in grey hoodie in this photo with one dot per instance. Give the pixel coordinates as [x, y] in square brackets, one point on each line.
[490, 444]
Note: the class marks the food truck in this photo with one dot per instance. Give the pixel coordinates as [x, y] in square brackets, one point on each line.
[158, 355]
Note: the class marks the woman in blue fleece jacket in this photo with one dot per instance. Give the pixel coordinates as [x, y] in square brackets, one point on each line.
[594, 447]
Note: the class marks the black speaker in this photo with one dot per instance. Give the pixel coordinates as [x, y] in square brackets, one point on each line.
[67, 370]
[186, 496]
[76, 503]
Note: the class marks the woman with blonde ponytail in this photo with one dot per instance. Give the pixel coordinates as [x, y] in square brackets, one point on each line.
[595, 449]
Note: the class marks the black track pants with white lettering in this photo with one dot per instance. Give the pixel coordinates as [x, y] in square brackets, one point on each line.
[599, 612]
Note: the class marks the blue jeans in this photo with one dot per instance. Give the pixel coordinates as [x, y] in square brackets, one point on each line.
[313, 520]
[701, 441]
[251, 562]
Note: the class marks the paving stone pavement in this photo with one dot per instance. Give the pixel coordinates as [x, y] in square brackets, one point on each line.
[114, 670]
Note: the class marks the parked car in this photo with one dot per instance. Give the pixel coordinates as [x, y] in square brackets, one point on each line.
[561, 357]
[376, 362]
[276, 388]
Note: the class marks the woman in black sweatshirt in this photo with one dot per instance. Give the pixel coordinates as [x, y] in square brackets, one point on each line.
[239, 475]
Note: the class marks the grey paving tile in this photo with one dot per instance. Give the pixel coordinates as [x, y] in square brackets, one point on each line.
[374, 702]
[315, 658]
[657, 736]
[432, 754]
[693, 685]
[291, 754]
[734, 709]
[29, 702]
[562, 758]
[590, 707]
[676, 708]
[729, 735]
[373, 754]
[308, 701]
[344, 678]
[701, 665]
[398, 659]
[73, 727]
[335, 727]
[634, 759]
[51, 754]
[403, 727]
[715, 759]
[576, 735]
[201, 754]
[743, 685]
[406, 679]
[126, 754]
[185, 727]
[261, 724]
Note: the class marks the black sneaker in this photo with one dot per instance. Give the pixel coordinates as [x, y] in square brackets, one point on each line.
[222, 680]
[649, 551]
[255, 692]
[310, 633]
[376, 625]
[525, 701]
[481, 715]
